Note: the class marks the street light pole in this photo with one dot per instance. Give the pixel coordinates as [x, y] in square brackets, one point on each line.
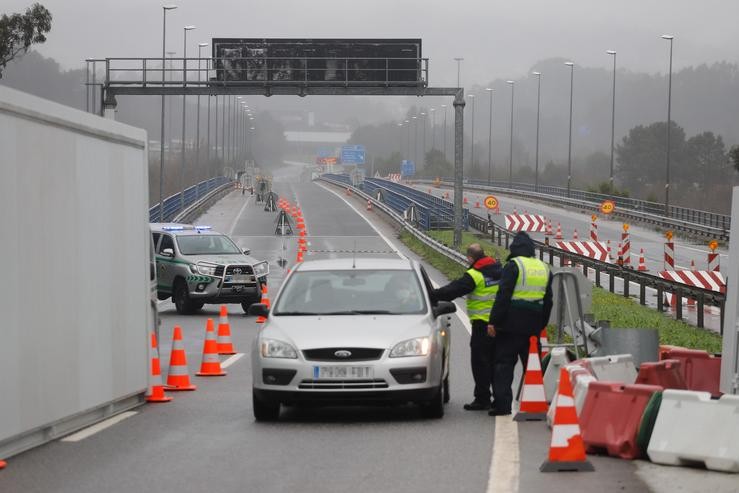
[569, 148]
[446, 156]
[472, 136]
[423, 150]
[538, 117]
[669, 124]
[613, 115]
[490, 137]
[415, 138]
[197, 118]
[182, 144]
[510, 148]
[433, 128]
[459, 62]
[165, 8]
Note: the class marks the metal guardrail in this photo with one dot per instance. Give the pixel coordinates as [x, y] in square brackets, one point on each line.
[172, 204]
[548, 253]
[689, 221]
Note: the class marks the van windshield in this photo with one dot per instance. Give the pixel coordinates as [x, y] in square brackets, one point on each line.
[206, 245]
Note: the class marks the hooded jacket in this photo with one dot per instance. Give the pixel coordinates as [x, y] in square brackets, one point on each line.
[463, 286]
[519, 318]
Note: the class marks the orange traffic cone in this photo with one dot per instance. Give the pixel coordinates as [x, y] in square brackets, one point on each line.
[642, 266]
[464, 200]
[225, 346]
[210, 366]
[533, 404]
[544, 341]
[3, 464]
[369, 205]
[178, 377]
[265, 299]
[300, 256]
[548, 229]
[575, 236]
[559, 236]
[567, 450]
[156, 389]
[477, 204]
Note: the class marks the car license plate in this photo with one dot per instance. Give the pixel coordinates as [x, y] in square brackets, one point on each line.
[238, 278]
[343, 372]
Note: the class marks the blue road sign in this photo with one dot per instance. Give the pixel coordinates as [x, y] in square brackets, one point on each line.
[407, 168]
[352, 154]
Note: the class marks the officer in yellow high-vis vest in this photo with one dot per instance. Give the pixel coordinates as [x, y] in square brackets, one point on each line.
[480, 285]
[522, 308]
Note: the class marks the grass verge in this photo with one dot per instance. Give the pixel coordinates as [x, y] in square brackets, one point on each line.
[622, 312]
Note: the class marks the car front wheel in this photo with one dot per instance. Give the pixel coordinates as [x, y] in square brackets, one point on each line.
[182, 301]
[434, 407]
[265, 410]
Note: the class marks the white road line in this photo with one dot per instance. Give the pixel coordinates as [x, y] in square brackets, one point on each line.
[238, 216]
[98, 427]
[231, 360]
[505, 464]
[384, 238]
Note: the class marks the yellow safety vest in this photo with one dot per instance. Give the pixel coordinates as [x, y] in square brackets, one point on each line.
[480, 301]
[531, 284]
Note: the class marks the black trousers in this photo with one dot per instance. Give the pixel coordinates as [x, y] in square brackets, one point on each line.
[509, 347]
[482, 354]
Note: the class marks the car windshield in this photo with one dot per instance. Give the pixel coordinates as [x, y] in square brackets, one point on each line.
[352, 292]
[206, 245]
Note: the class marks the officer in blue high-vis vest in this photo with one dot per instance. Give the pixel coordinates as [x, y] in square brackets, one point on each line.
[480, 284]
[522, 308]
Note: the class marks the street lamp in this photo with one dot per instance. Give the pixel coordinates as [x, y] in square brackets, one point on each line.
[613, 114]
[415, 139]
[669, 38]
[445, 135]
[423, 150]
[569, 148]
[433, 128]
[490, 138]
[459, 61]
[165, 8]
[197, 118]
[408, 127]
[538, 115]
[510, 148]
[400, 139]
[184, 83]
[472, 151]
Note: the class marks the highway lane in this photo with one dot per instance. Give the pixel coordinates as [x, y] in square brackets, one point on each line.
[208, 440]
[641, 237]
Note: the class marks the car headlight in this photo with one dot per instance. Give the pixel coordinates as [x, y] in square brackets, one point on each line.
[207, 270]
[261, 269]
[412, 347]
[272, 348]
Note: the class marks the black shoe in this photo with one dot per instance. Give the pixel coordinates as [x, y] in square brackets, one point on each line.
[498, 412]
[477, 406]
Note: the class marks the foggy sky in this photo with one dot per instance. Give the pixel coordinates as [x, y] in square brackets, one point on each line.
[498, 39]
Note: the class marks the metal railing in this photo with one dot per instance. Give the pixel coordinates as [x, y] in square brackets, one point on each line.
[548, 253]
[291, 71]
[690, 221]
[192, 194]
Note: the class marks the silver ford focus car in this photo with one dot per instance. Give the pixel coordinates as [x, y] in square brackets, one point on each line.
[346, 331]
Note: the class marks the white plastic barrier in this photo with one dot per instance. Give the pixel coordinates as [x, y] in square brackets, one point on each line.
[580, 378]
[616, 368]
[557, 359]
[691, 428]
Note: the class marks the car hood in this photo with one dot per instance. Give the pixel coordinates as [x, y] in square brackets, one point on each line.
[375, 331]
[223, 259]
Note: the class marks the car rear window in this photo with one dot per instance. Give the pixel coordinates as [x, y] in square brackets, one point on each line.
[392, 292]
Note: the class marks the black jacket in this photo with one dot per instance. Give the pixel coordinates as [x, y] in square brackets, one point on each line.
[488, 266]
[520, 318]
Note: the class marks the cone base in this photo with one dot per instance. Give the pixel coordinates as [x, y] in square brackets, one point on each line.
[3, 464]
[556, 466]
[523, 416]
[227, 353]
[158, 399]
[171, 388]
[200, 374]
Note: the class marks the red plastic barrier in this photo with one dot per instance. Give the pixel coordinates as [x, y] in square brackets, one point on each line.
[666, 373]
[701, 370]
[611, 416]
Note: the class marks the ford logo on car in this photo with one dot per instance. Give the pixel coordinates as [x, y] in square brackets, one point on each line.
[342, 353]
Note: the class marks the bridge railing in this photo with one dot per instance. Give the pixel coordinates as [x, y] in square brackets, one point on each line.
[173, 204]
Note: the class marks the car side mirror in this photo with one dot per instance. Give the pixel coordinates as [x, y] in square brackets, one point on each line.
[444, 307]
[259, 310]
[168, 252]
[247, 251]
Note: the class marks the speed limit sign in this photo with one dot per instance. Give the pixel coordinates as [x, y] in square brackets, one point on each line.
[607, 206]
[491, 202]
